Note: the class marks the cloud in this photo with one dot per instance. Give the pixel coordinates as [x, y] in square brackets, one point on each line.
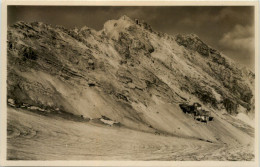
[228, 13]
[240, 38]
[239, 44]
[237, 15]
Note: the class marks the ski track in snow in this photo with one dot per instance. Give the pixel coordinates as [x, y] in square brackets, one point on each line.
[36, 137]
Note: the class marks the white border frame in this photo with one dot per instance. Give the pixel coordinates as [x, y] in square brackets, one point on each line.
[3, 67]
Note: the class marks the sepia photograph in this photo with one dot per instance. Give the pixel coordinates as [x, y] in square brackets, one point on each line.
[130, 83]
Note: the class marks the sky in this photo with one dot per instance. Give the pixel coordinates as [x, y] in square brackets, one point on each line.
[229, 29]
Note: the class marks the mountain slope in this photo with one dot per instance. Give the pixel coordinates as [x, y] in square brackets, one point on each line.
[131, 74]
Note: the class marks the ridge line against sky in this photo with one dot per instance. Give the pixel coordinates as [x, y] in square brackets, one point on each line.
[229, 29]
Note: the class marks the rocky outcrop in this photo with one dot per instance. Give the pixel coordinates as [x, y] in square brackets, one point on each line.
[223, 70]
[194, 43]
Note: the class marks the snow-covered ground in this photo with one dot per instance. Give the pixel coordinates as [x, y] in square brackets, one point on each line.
[246, 119]
[36, 137]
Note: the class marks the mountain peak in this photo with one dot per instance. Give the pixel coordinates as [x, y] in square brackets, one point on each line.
[125, 17]
[113, 27]
[193, 42]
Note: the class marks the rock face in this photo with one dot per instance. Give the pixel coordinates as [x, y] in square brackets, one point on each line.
[121, 72]
[236, 83]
